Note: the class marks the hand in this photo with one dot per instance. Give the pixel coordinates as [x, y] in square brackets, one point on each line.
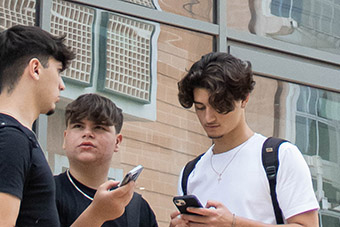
[106, 204]
[111, 204]
[177, 221]
[219, 216]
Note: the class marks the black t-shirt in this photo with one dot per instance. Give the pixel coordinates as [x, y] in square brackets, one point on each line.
[25, 173]
[71, 203]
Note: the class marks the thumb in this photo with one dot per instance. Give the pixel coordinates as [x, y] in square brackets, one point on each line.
[108, 185]
[212, 203]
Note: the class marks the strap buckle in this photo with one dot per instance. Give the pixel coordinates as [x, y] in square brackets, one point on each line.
[271, 172]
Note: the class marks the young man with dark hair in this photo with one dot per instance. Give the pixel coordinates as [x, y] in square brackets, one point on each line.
[92, 136]
[31, 60]
[230, 176]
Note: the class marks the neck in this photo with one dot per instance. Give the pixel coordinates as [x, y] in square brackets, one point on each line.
[232, 140]
[19, 107]
[91, 177]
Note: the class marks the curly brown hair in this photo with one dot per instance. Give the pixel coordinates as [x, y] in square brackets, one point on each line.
[227, 78]
[96, 108]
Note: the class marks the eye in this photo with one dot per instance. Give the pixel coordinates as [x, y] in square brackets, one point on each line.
[199, 107]
[101, 127]
[77, 126]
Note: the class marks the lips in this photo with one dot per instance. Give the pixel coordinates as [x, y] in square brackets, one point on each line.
[86, 144]
[211, 126]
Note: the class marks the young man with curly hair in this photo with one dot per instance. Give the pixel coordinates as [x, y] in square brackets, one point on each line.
[230, 177]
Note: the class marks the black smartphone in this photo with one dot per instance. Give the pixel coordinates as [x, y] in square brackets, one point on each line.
[131, 175]
[182, 202]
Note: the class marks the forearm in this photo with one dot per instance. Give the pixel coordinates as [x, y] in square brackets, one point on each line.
[307, 219]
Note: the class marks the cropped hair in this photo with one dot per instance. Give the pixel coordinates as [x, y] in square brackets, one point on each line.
[19, 44]
[95, 108]
[227, 79]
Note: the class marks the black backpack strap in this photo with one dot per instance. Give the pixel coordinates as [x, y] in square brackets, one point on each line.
[270, 161]
[186, 172]
[133, 210]
[33, 143]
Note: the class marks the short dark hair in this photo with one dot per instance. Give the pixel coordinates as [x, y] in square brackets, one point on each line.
[227, 78]
[96, 108]
[19, 44]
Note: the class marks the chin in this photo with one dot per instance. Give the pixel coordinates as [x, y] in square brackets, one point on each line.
[215, 136]
[50, 112]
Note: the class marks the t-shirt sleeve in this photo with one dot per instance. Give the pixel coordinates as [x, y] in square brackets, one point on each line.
[179, 183]
[295, 192]
[14, 161]
[148, 218]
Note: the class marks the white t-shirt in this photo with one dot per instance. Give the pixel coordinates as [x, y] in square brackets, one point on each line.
[244, 187]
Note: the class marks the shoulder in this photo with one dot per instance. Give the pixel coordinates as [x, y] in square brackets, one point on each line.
[60, 178]
[12, 132]
[60, 182]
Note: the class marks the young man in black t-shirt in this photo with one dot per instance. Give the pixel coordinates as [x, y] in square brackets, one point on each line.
[92, 136]
[31, 60]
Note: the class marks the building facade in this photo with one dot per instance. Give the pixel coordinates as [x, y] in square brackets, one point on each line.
[135, 51]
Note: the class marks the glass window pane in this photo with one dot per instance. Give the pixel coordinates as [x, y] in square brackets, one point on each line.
[306, 135]
[302, 100]
[330, 221]
[287, 110]
[310, 23]
[328, 105]
[13, 12]
[200, 10]
[327, 142]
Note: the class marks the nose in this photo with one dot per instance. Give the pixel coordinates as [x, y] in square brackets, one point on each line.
[87, 133]
[210, 115]
[61, 85]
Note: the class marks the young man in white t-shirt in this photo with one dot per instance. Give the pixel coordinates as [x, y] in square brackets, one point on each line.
[230, 176]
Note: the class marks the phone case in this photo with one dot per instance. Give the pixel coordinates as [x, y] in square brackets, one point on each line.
[182, 202]
[132, 175]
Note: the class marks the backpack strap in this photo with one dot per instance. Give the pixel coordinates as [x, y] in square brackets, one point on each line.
[186, 172]
[4, 124]
[270, 161]
[133, 210]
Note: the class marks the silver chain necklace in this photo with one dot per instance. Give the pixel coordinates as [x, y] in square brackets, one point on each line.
[219, 174]
[76, 187]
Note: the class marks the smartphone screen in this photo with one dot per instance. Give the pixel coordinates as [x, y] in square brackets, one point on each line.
[131, 175]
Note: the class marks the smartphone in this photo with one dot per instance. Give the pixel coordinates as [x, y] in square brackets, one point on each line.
[131, 175]
[182, 202]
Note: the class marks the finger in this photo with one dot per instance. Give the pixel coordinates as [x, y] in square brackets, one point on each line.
[174, 214]
[108, 185]
[212, 203]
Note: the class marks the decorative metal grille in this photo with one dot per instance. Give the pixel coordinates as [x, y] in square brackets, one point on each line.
[128, 56]
[76, 21]
[147, 3]
[13, 12]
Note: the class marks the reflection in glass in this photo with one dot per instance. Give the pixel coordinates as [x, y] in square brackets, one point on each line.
[308, 117]
[305, 135]
[153, 4]
[126, 56]
[13, 12]
[76, 22]
[310, 23]
[200, 10]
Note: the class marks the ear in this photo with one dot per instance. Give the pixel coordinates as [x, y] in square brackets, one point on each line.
[119, 139]
[65, 132]
[34, 68]
[244, 102]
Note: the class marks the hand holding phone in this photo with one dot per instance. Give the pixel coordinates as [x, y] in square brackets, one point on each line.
[182, 202]
[131, 175]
